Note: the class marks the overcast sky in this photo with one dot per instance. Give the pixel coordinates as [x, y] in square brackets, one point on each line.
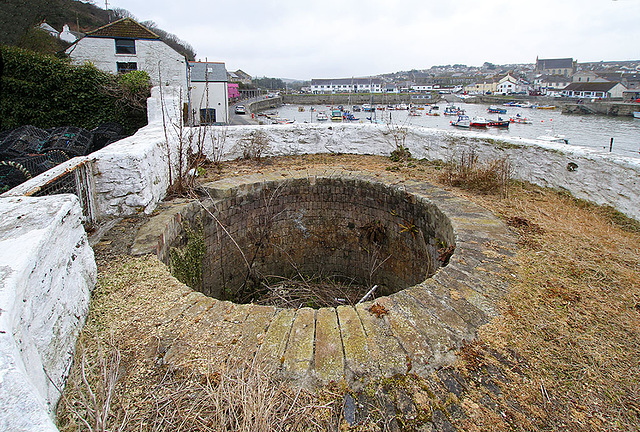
[303, 39]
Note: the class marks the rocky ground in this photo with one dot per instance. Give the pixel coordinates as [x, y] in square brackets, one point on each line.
[563, 354]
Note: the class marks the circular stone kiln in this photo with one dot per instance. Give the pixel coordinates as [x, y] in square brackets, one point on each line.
[354, 226]
[351, 230]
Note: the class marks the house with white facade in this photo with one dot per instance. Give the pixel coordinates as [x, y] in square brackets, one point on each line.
[510, 84]
[599, 90]
[124, 46]
[346, 85]
[548, 84]
[208, 93]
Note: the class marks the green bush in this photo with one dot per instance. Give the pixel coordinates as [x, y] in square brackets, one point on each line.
[46, 91]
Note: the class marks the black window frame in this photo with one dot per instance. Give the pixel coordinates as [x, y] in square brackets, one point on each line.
[126, 46]
[125, 67]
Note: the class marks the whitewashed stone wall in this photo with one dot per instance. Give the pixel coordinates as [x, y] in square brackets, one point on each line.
[155, 57]
[47, 271]
[600, 177]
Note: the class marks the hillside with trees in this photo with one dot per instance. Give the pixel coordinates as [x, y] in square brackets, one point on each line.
[18, 19]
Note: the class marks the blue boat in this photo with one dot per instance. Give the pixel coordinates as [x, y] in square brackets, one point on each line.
[496, 110]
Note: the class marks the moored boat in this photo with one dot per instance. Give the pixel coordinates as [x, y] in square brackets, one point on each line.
[321, 116]
[462, 121]
[499, 123]
[554, 138]
[496, 110]
[336, 115]
[636, 114]
[479, 122]
[453, 111]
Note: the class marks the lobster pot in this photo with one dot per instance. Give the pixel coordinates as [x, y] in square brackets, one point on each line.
[22, 141]
[73, 141]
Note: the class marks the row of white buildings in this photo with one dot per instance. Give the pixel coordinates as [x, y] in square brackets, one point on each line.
[125, 45]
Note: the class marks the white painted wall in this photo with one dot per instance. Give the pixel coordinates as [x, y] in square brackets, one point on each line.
[152, 56]
[210, 95]
[47, 271]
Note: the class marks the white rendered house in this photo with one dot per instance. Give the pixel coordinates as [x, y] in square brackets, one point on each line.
[126, 45]
[208, 93]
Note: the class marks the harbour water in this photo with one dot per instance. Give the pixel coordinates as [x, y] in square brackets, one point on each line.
[592, 131]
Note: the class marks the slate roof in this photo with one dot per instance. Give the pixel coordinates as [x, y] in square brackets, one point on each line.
[561, 63]
[124, 28]
[208, 72]
[591, 86]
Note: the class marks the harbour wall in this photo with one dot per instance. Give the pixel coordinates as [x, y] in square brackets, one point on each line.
[567, 105]
[42, 309]
[359, 98]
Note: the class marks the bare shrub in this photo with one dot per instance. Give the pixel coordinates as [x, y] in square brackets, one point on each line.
[491, 177]
[254, 145]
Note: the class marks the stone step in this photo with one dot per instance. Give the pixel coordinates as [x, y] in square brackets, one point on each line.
[183, 317]
[195, 331]
[466, 291]
[430, 343]
[253, 330]
[358, 357]
[298, 356]
[328, 355]
[385, 349]
[439, 307]
[453, 299]
[274, 343]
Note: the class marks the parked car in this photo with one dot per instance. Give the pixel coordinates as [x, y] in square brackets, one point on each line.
[240, 109]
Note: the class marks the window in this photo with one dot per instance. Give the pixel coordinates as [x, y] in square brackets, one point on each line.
[207, 116]
[125, 46]
[123, 67]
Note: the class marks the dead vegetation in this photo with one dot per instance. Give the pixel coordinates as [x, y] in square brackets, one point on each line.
[564, 354]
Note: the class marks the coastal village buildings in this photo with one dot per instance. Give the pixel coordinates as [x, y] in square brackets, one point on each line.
[346, 85]
[126, 45]
[209, 93]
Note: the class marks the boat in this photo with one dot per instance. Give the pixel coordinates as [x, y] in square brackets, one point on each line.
[636, 114]
[431, 113]
[496, 110]
[463, 121]
[347, 116]
[499, 123]
[453, 111]
[336, 115]
[280, 120]
[413, 112]
[519, 119]
[356, 108]
[479, 122]
[321, 116]
[554, 139]
[546, 107]
[300, 109]
[367, 107]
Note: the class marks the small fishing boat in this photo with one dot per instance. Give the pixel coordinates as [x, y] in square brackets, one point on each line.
[463, 121]
[321, 116]
[347, 116]
[413, 112]
[499, 123]
[367, 107]
[636, 114]
[479, 122]
[336, 115]
[554, 139]
[356, 108]
[520, 120]
[546, 107]
[453, 111]
[300, 109]
[496, 110]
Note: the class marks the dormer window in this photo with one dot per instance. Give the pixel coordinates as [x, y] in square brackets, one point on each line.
[125, 46]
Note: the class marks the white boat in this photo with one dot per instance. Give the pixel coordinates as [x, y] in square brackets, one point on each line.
[480, 122]
[636, 114]
[554, 138]
[321, 116]
[462, 121]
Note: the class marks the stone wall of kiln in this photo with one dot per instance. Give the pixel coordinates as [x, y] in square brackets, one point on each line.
[600, 177]
[318, 227]
[47, 272]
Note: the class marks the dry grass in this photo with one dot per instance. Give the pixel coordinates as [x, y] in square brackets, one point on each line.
[563, 355]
